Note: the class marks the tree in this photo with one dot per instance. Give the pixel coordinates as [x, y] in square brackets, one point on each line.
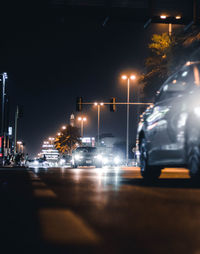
[157, 63]
[167, 55]
[68, 140]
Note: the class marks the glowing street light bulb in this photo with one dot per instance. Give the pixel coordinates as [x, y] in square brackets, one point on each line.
[163, 16]
[64, 127]
[132, 77]
[58, 133]
[82, 119]
[95, 104]
[128, 78]
[178, 17]
[124, 77]
[101, 104]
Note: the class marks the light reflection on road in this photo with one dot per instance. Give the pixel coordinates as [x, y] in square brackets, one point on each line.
[103, 176]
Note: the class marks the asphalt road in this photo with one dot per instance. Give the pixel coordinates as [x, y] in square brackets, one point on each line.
[88, 210]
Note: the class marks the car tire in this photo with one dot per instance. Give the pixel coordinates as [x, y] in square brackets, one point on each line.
[149, 173]
[193, 160]
[193, 148]
[74, 165]
[98, 165]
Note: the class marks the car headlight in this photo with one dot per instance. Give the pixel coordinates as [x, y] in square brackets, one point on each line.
[105, 160]
[78, 157]
[98, 157]
[197, 111]
[36, 162]
[116, 160]
[62, 161]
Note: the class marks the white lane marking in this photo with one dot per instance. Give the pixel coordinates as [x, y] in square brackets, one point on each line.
[33, 176]
[40, 188]
[44, 193]
[39, 184]
[62, 226]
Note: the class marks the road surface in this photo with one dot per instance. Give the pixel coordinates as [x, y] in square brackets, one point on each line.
[88, 210]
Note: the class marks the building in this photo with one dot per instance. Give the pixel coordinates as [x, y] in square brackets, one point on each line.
[49, 152]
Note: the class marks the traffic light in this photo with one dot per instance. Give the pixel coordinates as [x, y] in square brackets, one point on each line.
[113, 106]
[79, 104]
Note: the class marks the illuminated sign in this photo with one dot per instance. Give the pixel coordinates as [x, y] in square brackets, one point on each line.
[1, 154]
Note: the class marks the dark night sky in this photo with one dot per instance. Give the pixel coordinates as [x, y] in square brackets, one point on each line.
[49, 64]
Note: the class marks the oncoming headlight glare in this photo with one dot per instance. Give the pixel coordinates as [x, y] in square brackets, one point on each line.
[105, 160]
[117, 160]
[62, 161]
[197, 111]
[77, 157]
[99, 156]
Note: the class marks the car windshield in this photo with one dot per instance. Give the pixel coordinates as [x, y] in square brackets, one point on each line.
[86, 150]
[179, 82]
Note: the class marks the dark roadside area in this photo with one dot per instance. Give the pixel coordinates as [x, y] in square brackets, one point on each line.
[20, 230]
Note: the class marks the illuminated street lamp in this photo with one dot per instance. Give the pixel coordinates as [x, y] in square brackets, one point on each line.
[98, 105]
[3, 77]
[163, 16]
[128, 78]
[82, 120]
[64, 127]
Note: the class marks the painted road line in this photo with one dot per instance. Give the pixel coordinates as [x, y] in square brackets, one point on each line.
[39, 184]
[40, 188]
[33, 176]
[62, 226]
[44, 193]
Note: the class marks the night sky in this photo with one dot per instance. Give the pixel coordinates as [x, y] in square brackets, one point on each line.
[51, 62]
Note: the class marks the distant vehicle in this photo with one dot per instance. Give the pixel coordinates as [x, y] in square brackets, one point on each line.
[37, 163]
[86, 156]
[169, 131]
[111, 158]
[65, 160]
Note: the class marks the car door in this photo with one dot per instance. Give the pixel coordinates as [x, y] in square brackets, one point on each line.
[165, 126]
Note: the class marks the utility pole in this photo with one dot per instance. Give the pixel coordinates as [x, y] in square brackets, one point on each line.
[3, 94]
[15, 138]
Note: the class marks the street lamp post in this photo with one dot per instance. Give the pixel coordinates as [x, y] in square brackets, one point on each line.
[124, 77]
[98, 117]
[82, 120]
[163, 16]
[3, 94]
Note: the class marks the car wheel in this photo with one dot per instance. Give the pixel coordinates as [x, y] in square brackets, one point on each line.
[193, 160]
[99, 165]
[149, 173]
[74, 165]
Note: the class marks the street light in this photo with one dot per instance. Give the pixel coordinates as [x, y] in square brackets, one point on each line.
[99, 105]
[3, 125]
[82, 120]
[128, 78]
[163, 16]
[64, 127]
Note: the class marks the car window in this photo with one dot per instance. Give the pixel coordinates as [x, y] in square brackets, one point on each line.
[86, 149]
[176, 84]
